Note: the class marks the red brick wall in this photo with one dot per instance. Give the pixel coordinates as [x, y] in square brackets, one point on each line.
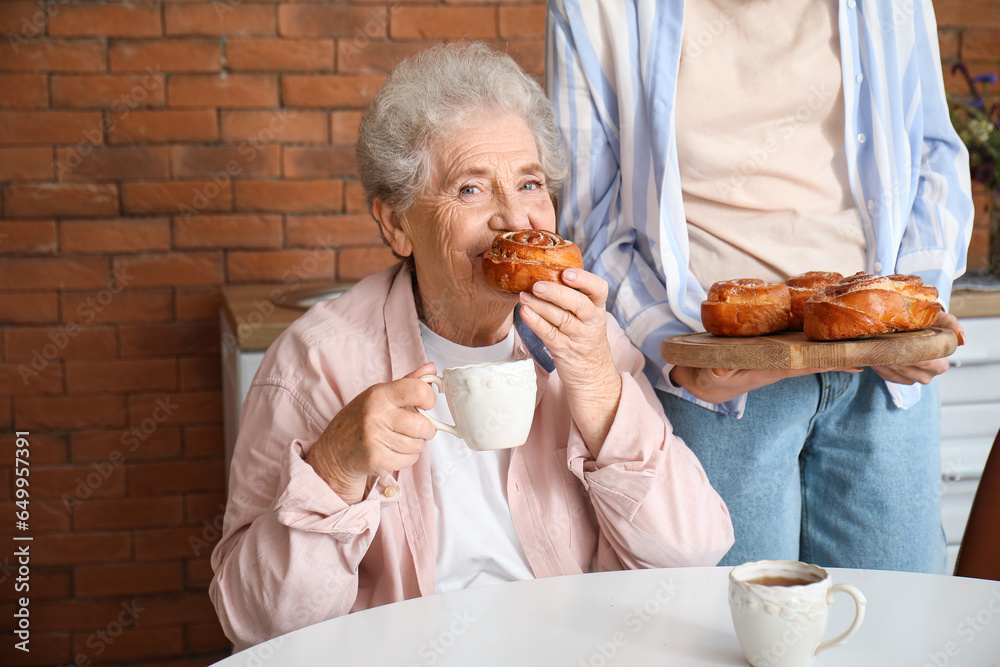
[151, 152]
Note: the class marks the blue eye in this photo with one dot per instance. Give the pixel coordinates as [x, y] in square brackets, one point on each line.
[532, 185]
[468, 190]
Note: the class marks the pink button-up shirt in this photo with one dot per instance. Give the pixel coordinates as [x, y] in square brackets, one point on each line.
[293, 553]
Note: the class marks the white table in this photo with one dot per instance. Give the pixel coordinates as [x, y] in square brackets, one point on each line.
[669, 617]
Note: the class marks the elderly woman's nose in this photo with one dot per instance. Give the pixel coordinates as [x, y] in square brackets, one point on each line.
[511, 212]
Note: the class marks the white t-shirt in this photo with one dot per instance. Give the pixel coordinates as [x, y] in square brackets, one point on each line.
[477, 543]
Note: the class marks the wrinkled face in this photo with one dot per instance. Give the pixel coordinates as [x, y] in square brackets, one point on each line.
[485, 179]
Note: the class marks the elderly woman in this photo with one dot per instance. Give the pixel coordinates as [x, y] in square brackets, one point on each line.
[342, 496]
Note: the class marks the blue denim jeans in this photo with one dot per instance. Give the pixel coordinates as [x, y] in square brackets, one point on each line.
[825, 469]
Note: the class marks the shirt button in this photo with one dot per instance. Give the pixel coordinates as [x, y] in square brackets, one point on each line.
[871, 204]
[861, 138]
[859, 78]
[878, 266]
[851, 4]
[390, 491]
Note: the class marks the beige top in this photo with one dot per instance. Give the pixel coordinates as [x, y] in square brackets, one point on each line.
[760, 139]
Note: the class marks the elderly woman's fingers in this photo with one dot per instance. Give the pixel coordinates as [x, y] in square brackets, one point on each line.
[595, 287]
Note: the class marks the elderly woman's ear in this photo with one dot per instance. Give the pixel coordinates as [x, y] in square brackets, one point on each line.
[390, 224]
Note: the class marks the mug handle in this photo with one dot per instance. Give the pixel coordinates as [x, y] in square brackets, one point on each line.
[859, 603]
[439, 425]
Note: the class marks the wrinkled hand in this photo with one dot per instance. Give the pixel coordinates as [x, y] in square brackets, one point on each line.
[377, 433]
[923, 371]
[571, 320]
[718, 385]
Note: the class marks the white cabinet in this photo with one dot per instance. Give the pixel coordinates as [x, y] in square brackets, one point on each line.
[970, 419]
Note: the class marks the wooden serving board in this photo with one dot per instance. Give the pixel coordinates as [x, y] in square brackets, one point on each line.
[791, 349]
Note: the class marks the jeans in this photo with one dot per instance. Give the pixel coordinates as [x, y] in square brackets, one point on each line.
[825, 469]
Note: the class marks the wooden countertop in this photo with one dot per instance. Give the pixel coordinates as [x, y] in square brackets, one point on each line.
[257, 314]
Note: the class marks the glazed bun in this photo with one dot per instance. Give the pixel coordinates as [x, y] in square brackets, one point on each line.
[803, 286]
[867, 305]
[520, 259]
[746, 307]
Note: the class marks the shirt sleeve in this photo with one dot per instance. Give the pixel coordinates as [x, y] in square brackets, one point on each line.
[281, 520]
[936, 239]
[654, 504]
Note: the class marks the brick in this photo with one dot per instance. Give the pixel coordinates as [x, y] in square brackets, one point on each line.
[50, 127]
[26, 164]
[319, 162]
[46, 584]
[205, 637]
[119, 235]
[344, 127]
[55, 200]
[332, 21]
[125, 513]
[49, 448]
[284, 125]
[25, 91]
[234, 90]
[22, 18]
[46, 517]
[967, 13]
[28, 237]
[212, 161]
[123, 307]
[46, 649]
[200, 373]
[53, 273]
[164, 611]
[168, 478]
[77, 548]
[202, 508]
[528, 53]
[279, 55]
[230, 19]
[40, 378]
[949, 42]
[68, 412]
[136, 646]
[332, 230]
[162, 126]
[70, 341]
[276, 265]
[178, 197]
[73, 614]
[169, 340]
[356, 263]
[160, 544]
[113, 163]
[450, 23]
[117, 92]
[229, 231]
[980, 45]
[354, 198]
[105, 21]
[127, 579]
[165, 55]
[29, 308]
[52, 56]
[172, 269]
[189, 407]
[146, 440]
[289, 196]
[205, 441]
[120, 375]
[522, 22]
[329, 91]
[197, 303]
[199, 574]
[360, 57]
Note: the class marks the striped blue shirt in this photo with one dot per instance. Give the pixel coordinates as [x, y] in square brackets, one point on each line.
[611, 69]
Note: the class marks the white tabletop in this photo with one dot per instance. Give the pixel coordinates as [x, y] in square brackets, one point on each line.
[674, 617]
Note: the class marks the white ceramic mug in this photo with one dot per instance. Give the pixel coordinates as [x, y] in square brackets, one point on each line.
[780, 609]
[492, 403]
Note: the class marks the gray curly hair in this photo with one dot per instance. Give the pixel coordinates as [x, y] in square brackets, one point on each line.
[428, 96]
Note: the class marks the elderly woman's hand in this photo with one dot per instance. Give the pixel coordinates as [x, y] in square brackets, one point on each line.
[573, 325]
[377, 433]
